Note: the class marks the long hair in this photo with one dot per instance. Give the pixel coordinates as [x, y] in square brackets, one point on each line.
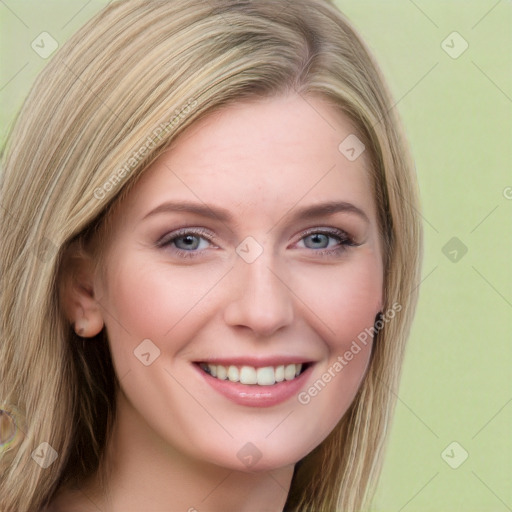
[107, 105]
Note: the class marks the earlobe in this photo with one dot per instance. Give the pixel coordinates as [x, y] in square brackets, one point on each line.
[88, 323]
[81, 326]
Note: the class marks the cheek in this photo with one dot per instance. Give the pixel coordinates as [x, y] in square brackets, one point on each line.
[345, 298]
[345, 314]
[149, 300]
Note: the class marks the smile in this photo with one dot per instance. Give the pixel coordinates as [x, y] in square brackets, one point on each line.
[250, 375]
[256, 382]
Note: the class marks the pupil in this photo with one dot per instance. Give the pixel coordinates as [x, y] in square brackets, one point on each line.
[187, 242]
[318, 239]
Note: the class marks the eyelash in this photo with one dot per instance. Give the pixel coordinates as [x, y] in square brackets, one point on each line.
[167, 240]
[344, 239]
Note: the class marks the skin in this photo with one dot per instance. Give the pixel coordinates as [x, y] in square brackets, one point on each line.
[176, 439]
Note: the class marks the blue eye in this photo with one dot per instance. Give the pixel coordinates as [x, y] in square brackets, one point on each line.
[191, 243]
[327, 242]
[186, 243]
[317, 241]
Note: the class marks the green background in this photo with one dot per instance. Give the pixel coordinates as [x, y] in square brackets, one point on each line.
[457, 383]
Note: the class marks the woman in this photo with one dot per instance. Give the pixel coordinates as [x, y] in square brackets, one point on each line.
[211, 233]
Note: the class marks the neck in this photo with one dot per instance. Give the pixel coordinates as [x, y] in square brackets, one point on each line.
[143, 472]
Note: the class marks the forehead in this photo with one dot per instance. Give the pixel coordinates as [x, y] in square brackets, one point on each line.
[270, 153]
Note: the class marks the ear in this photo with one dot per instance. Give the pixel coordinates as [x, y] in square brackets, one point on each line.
[76, 293]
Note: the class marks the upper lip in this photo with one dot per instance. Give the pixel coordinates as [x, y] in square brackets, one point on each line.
[256, 362]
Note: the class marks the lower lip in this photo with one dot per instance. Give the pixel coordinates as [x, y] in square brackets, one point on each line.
[254, 395]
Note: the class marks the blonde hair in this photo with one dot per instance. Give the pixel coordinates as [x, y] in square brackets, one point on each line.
[134, 77]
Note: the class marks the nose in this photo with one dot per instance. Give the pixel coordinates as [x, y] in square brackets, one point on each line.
[259, 300]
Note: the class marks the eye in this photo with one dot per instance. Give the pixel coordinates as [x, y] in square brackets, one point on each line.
[186, 243]
[326, 241]
[318, 241]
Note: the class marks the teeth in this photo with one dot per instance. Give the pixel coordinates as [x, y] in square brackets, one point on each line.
[233, 374]
[222, 373]
[248, 375]
[266, 376]
[289, 372]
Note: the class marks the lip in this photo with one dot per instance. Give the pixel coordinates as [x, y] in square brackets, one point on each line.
[253, 395]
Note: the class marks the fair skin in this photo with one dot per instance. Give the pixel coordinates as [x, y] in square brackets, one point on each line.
[177, 439]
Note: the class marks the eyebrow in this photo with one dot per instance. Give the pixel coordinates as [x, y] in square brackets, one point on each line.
[223, 215]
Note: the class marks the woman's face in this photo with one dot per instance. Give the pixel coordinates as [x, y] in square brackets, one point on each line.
[251, 244]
